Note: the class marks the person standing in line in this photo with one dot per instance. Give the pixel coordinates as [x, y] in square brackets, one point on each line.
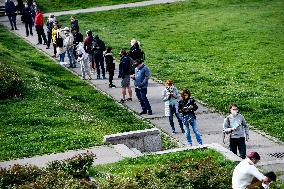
[187, 107]
[88, 47]
[74, 23]
[28, 20]
[236, 127]
[78, 37]
[49, 25]
[171, 98]
[10, 11]
[53, 36]
[141, 77]
[60, 46]
[110, 66]
[39, 28]
[83, 59]
[245, 171]
[99, 48]
[124, 74]
[68, 41]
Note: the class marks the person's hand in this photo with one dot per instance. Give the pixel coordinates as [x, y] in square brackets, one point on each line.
[190, 107]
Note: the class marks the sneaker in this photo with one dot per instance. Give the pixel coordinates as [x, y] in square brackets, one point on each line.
[31, 34]
[129, 99]
[143, 112]
[122, 101]
[150, 112]
[182, 131]
[44, 43]
[174, 132]
[112, 86]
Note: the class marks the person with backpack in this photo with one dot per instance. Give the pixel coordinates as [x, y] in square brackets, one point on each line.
[110, 66]
[49, 25]
[237, 129]
[171, 98]
[99, 48]
[124, 74]
[88, 47]
[135, 53]
[60, 46]
[28, 20]
[187, 108]
[10, 11]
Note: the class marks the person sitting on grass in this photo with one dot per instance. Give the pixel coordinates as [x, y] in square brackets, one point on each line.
[110, 66]
[124, 67]
[256, 184]
[171, 98]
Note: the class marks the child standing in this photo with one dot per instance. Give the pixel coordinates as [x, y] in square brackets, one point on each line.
[110, 66]
[171, 98]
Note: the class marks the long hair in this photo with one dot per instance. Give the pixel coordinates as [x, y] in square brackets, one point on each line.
[185, 91]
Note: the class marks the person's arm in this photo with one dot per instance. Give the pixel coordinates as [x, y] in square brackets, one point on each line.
[255, 172]
[165, 95]
[175, 93]
[195, 107]
[226, 126]
[147, 76]
[246, 127]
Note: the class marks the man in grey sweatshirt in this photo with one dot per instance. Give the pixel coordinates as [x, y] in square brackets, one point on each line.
[236, 127]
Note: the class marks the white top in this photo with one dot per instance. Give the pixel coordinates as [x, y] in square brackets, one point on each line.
[244, 173]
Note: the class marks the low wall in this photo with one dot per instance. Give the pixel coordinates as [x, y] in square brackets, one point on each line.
[148, 140]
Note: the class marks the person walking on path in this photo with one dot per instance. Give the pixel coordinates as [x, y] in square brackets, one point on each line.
[237, 130]
[83, 59]
[124, 74]
[28, 20]
[141, 77]
[39, 28]
[245, 171]
[10, 11]
[49, 25]
[88, 47]
[171, 98]
[68, 41]
[99, 48]
[187, 107]
[110, 66]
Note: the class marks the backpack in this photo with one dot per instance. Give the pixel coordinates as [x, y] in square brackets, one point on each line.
[59, 41]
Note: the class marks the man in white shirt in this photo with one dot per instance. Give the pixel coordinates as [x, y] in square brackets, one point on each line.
[245, 171]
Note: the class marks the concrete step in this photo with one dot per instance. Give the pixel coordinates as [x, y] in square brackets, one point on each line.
[126, 152]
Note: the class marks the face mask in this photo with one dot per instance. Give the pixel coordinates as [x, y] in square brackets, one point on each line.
[234, 112]
[265, 186]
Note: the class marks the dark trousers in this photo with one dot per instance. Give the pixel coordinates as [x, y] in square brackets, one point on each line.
[29, 25]
[173, 111]
[12, 19]
[49, 38]
[111, 74]
[40, 34]
[141, 94]
[238, 143]
[54, 49]
[99, 60]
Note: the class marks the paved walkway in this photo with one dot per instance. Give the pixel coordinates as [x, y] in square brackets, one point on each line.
[210, 123]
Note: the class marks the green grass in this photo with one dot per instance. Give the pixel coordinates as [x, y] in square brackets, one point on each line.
[57, 111]
[62, 5]
[223, 51]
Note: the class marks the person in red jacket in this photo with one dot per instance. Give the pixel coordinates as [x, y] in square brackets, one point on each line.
[88, 47]
[39, 28]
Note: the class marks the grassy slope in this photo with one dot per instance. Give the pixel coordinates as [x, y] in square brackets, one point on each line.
[58, 110]
[61, 5]
[224, 51]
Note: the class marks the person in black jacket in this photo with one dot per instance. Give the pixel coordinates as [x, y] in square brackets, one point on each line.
[124, 67]
[10, 10]
[51, 21]
[110, 66]
[99, 48]
[27, 19]
[187, 107]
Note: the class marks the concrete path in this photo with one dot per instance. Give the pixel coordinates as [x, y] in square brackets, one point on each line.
[210, 123]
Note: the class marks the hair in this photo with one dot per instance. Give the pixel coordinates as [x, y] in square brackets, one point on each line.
[253, 155]
[185, 91]
[231, 105]
[89, 32]
[169, 82]
[123, 51]
[271, 175]
[108, 50]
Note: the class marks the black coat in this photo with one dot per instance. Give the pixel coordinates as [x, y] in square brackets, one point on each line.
[27, 15]
[10, 8]
[183, 107]
[109, 62]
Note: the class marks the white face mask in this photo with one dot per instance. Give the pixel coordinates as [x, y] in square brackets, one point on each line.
[265, 186]
[234, 112]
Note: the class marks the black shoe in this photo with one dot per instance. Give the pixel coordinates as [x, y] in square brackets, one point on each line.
[32, 34]
[143, 112]
[47, 47]
[27, 35]
[122, 101]
[182, 131]
[98, 77]
[129, 99]
[150, 112]
[16, 28]
[38, 43]
[111, 86]
[104, 77]
[12, 28]
[44, 43]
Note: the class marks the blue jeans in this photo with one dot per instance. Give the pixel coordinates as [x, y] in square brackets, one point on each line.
[12, 19]
[171, 118]
[141, 94]
[187, 119]
[72, 61]
[61, 57]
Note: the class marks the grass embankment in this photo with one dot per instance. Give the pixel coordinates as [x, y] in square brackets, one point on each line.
[62, 5]
[194, 169]
[223, 51]
[57, 110]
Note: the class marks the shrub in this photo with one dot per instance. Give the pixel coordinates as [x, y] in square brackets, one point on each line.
[11, 84]
[71, 173]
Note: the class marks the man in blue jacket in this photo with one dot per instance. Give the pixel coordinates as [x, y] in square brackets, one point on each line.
[141, 77]
[10, 10]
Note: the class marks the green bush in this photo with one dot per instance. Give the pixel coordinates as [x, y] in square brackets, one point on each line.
[11, 84]
[71, 173]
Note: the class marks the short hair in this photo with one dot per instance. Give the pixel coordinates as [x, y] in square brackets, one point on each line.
[271, 175]
[108, 50]
[231, 105]
[123, 51]
[253, 155]
[169, 82]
